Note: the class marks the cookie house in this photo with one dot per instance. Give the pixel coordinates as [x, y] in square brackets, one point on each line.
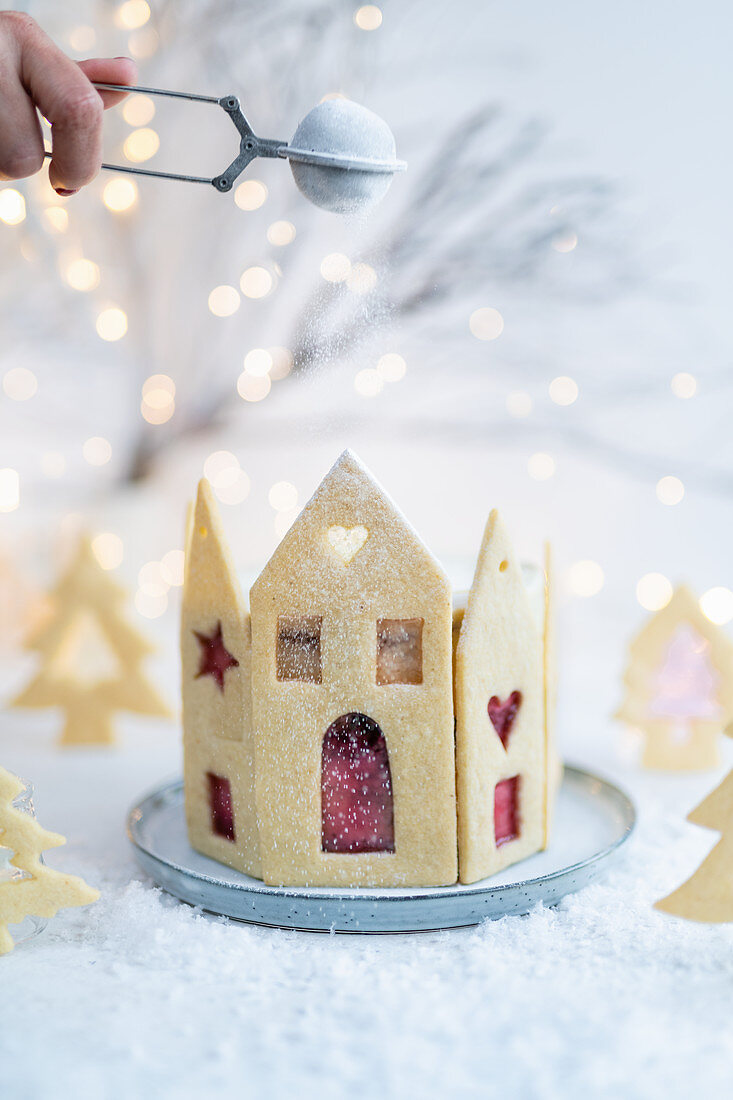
[356, 726]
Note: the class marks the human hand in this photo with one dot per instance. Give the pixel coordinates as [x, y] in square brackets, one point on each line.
[35, 75]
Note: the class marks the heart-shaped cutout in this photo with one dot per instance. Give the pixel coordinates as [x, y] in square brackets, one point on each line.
[347, 541]
[502, 715]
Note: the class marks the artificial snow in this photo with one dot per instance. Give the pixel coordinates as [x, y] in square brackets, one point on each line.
[140, 995]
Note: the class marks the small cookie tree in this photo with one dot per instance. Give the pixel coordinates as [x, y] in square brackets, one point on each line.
[708, 895]
[31, 888]
[679, 686]
[91, 656]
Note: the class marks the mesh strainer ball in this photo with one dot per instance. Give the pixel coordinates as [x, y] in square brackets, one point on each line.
[343, 156]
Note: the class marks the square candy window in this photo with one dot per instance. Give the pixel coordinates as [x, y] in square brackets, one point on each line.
[299, 648]
[399, 651]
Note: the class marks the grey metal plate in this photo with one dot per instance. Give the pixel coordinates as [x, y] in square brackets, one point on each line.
[593, 819]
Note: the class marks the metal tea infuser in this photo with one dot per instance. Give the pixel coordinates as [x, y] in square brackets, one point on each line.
[342, 155]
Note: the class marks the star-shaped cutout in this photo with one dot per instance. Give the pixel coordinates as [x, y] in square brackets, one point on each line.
[215, 657]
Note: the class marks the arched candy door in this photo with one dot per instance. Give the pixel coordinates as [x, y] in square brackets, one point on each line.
[356, 787]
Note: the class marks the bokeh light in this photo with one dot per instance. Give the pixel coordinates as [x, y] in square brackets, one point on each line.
[56, 219]
[12, 206]
[717, 605]
[108, 549]
[654, 591]
[282, 363]
[82, 275]
[392, 367]
[283, 496]
[141, 145]
[172, 567]
[251, 388]
[132, 14]
[281, 233]
[486, 323]
[9, 489]
[541, 466]
[563, 390]
[20, 384]
[221, 468]
[368, 382]
[224, 300]
[335, 267]
[138, 110]
[112, 323]
[158, 399]
[258, 362]
[684, 385]
[256, 282]
[565, 242]
[670, 490]
[250, 195]
[585, 578]
[151, 607]
[97, 450]
[120, 194]
[368, 17]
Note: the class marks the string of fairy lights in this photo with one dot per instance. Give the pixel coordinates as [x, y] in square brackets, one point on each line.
[263, 366]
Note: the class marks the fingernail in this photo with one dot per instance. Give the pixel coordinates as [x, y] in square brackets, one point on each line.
[65, 191]
[123, 58]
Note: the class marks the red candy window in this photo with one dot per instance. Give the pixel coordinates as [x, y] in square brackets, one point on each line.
[220, 804]
[506, 810]
[503, 714]
[356, 788]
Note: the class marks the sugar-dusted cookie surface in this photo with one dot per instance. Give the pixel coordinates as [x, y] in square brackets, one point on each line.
[500, 716]
[217, 702]
[351, 674]
[679, 686]
[36, 889]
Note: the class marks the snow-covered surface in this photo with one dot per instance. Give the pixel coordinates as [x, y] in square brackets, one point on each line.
[140, 995]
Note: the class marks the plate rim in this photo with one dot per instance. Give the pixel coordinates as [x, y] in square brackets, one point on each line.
[387, 894]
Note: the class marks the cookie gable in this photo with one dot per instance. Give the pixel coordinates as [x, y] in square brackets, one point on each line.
[319, 734]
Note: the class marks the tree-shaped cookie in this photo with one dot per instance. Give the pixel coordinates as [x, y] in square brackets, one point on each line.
[708, 895]
[32, 888]
[91, 657]
[679, 686]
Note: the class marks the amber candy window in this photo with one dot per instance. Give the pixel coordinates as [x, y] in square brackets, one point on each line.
[399, 651]
[298, 653]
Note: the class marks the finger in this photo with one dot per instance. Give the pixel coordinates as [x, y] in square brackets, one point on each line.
[65, 96]
[110, 70]
[21, 141]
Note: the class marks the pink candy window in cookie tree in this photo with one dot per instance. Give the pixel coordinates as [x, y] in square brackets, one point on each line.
[685, 686]
[506, 810]
[356, 788]
[220, 804]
